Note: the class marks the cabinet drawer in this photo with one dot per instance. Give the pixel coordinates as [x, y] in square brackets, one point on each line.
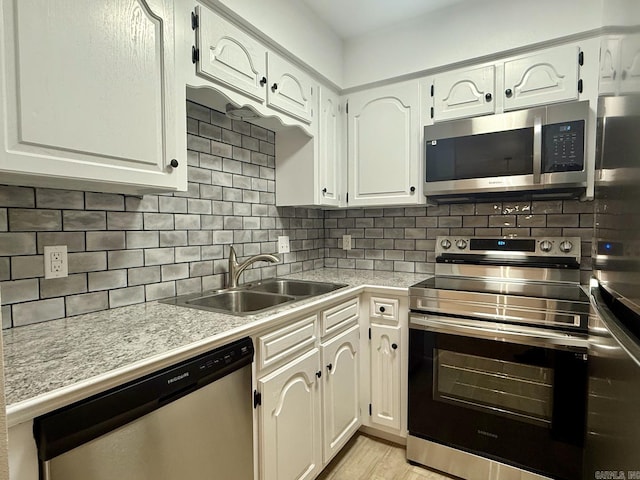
[291, 340]
[339, 317]
[383, 309]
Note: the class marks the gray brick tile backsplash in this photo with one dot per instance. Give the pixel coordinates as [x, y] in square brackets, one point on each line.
[31, 266]
[4, 224]
[84, 220]
[63, 199]
[17, 243]
[148, 203]
[11, 196]
[107, 280]
[126, 296]
[87, 262]
[86, 303]
[5, 269]
[142, 239]
[6, 316]
[103, 201]
[40, 311]
[155, 291]
[56, 287]
[124, 221]
[125, 258]
[31, 220]
[106, 240]
[126, 249]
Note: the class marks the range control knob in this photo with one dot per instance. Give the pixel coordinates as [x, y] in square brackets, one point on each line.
[446, 244]
[546, 246]
[566, 246]
[461, 244]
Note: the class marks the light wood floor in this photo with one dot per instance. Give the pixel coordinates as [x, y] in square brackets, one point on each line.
[367, 458]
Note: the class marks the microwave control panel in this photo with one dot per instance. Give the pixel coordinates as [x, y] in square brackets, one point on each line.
[563, 147]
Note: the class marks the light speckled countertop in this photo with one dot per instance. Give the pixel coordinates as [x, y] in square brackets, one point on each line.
[64, 360]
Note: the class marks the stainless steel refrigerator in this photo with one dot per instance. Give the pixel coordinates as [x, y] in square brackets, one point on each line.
[613, 419]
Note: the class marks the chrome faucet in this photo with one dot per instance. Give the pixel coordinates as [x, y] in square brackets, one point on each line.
[235, 268]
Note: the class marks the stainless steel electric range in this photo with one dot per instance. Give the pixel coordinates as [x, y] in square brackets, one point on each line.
[498, 360]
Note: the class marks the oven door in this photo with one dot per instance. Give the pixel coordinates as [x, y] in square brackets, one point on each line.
[514, 396]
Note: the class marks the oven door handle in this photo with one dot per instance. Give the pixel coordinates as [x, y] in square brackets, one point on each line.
[499, 332]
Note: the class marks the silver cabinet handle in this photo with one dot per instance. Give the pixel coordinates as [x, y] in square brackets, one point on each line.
[537, 150]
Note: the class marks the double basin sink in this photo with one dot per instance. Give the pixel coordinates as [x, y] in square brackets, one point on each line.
[255, 298]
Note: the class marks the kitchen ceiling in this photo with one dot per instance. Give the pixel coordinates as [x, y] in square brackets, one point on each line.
[350, 18]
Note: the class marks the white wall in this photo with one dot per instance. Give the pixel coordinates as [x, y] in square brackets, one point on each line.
[462, 32]
[621, 12]
[291, 24]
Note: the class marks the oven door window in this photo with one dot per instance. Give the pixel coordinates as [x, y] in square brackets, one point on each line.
[511, 389]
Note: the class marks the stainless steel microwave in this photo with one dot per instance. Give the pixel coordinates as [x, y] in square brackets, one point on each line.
[539, 150]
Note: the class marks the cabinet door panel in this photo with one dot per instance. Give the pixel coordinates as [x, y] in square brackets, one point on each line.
[463, 93]
[230, 56]
[384, 146]
[547, 77]
[290, 421]
[329, 148]
[609, 65]
[385, 376]
[289, 90]
[630, 64]
[90, 92]
[340, 359]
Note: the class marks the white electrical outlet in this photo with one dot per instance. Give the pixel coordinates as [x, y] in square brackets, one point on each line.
[55, 261]
[346, 242]
[283, 244]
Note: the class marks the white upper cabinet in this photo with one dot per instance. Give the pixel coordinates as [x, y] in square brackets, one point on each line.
[630, 64]
[89, 96]
[230, 57]
[330, 162]
[619, 65]
[464, 93]
[384, 145]
[290, 90]
[609, 65]
[546, 77]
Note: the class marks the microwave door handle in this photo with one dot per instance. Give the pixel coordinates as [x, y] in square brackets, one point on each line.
[537, 150]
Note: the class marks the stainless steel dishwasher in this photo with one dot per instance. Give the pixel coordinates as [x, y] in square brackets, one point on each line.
[186, 422]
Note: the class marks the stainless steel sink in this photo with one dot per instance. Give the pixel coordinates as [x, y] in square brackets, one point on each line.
[255, 297]
[239, 301]
[297, 288]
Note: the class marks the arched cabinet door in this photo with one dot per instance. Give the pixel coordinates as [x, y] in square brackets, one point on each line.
[290, 433]
[464, 93]
[329, 147]
[340, 359]
[630, 64]
[289, 89]
[547, 77]
[384, 145]
[231, 57]
[609, 65]
[386, 351]
[89, 96]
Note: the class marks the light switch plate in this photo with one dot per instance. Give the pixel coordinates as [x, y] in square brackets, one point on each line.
[283, 244]
[55, 261]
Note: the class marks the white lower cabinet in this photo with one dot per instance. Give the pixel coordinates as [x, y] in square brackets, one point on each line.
[290, 421]
[385, 376]
[308, 393]
[340, 400]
